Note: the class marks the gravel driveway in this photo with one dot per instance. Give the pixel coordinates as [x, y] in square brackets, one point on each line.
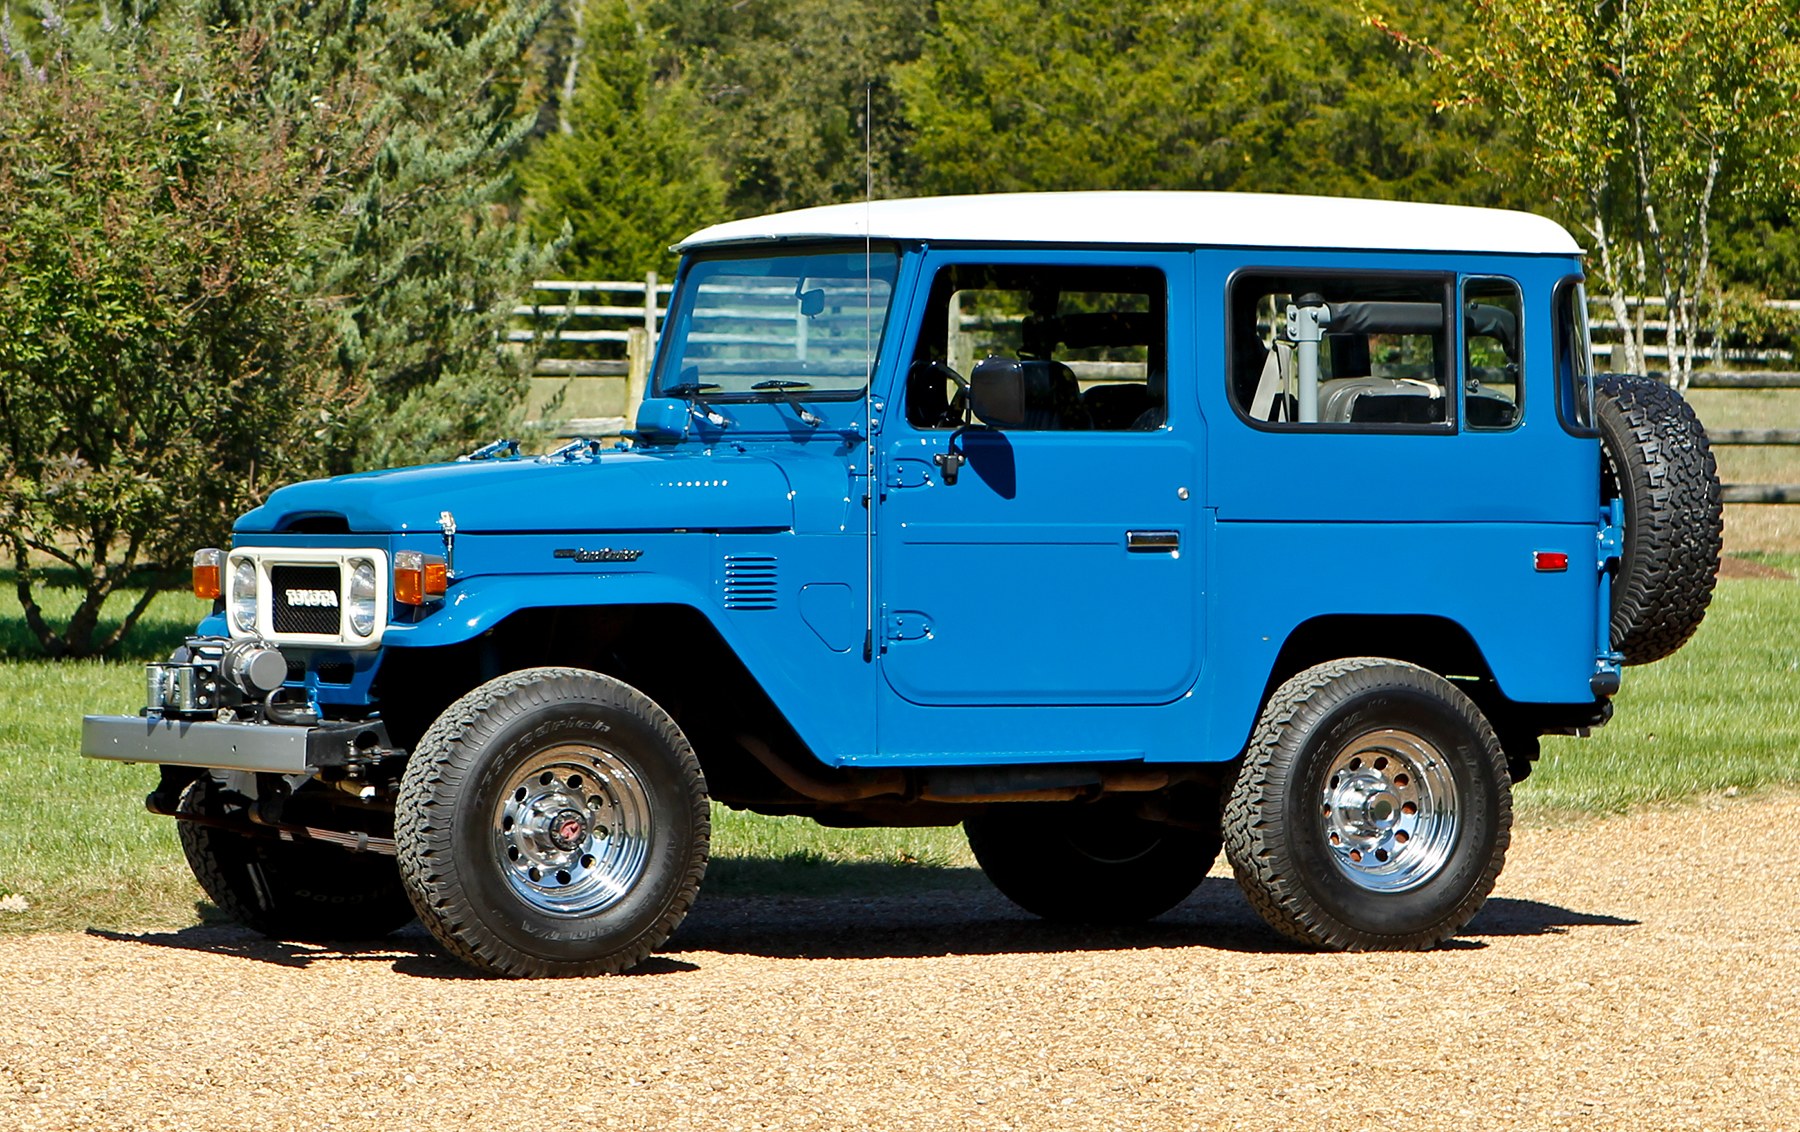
[1634, 973]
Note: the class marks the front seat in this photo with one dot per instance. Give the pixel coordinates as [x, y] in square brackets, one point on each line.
[1053, 398]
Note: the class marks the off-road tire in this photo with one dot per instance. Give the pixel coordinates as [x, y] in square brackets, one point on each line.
[1092, 863]
[297, 890]
[453, 848]
[1656, 459]
[1278, 832]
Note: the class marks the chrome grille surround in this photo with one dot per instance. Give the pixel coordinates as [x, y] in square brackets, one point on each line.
[303, 594]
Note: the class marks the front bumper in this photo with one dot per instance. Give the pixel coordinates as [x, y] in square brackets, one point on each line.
[268, 747]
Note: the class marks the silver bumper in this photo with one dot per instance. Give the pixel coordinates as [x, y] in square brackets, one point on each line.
[225, 746]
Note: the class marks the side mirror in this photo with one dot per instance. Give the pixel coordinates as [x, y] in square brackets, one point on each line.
[997, 391]
[663, 420]
[812, 303]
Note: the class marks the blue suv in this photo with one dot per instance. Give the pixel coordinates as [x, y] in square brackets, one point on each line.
[1118, 528]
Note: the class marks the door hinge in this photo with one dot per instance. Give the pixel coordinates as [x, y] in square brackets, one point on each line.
[902, 472]
[905, 625]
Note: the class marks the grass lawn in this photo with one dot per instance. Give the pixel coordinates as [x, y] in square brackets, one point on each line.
[77, 845]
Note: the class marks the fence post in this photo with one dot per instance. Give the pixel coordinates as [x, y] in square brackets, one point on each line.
[637, 371]
[650, 311]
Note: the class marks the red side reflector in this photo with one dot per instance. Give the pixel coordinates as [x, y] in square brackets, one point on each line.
[1550, 561]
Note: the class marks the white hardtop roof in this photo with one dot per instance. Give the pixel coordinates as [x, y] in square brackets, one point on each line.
[1253, 220]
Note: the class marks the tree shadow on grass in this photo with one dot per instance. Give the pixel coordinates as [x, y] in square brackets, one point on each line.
[159, 632]
[867, 910]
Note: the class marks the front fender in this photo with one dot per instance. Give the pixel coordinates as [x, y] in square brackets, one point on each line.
[824, 693]
[479, 604]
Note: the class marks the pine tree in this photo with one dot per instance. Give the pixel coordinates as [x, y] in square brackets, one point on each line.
[630, 177]
[410, 113]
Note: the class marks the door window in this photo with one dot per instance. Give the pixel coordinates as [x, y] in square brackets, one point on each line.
[1092, 343]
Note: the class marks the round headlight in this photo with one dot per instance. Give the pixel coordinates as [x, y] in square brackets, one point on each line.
[243, 595]
[362, 597]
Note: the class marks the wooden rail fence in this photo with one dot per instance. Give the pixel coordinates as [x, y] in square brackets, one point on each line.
[597, 338]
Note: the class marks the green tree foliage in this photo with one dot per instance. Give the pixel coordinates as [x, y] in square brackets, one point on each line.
[241, 244]
[1294, 96]
[154, 346]
[412, 111]
[630, 175]
[1637, 120]
[784, 85]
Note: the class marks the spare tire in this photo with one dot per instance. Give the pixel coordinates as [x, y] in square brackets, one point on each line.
[1656, 459]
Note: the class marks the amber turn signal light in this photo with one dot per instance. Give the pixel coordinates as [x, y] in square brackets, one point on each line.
[209, 566]
[419, 578]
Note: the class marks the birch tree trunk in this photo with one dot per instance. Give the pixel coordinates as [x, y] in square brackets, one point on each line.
[577, 12]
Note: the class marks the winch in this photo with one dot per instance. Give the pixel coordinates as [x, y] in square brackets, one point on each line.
[213, 674]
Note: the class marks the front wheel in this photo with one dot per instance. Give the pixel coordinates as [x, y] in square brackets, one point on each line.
[298, 890]
[1373, 809]
[553, 822]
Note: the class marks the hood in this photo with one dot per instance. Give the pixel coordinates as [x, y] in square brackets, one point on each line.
[617, 491]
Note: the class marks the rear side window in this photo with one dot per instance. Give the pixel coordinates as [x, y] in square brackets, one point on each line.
[1493, 354]
[1342, 351]
[1574, 359]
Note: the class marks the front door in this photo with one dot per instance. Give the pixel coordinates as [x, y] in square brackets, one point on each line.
[1063, 564]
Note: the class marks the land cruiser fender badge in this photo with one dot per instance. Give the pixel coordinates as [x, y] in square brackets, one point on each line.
[604, 554]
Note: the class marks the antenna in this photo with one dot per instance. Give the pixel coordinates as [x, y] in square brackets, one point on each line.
[869, 372]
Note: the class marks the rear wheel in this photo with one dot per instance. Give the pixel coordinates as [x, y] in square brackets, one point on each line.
[1090, 862]
[301, 890]
[1373, 810]
[553, 822]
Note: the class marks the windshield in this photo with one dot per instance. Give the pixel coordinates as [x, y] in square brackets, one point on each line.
[762, 326]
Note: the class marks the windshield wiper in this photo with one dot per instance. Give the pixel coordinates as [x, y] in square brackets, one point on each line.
[786, 388]
[690, 391]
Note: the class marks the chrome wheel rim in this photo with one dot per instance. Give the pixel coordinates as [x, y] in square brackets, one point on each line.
[1389, 811]
[572, 830]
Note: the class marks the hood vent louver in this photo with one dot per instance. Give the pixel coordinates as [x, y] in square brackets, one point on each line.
[750, 581]
[316, 523]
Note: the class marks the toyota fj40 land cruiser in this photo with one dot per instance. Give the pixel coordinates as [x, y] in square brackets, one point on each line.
[1115, 527]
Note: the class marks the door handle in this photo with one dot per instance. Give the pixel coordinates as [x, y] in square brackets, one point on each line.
[1152, 541]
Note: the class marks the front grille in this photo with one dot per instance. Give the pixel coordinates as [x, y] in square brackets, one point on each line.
[306, 599]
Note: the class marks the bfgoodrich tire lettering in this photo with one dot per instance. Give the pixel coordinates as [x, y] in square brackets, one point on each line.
[552, 822]
[1656, 460]
[1338, 852]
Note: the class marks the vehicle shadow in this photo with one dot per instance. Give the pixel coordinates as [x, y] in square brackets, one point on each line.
[411, 944]
[410, 951]
[965, 919]
[867, 914]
